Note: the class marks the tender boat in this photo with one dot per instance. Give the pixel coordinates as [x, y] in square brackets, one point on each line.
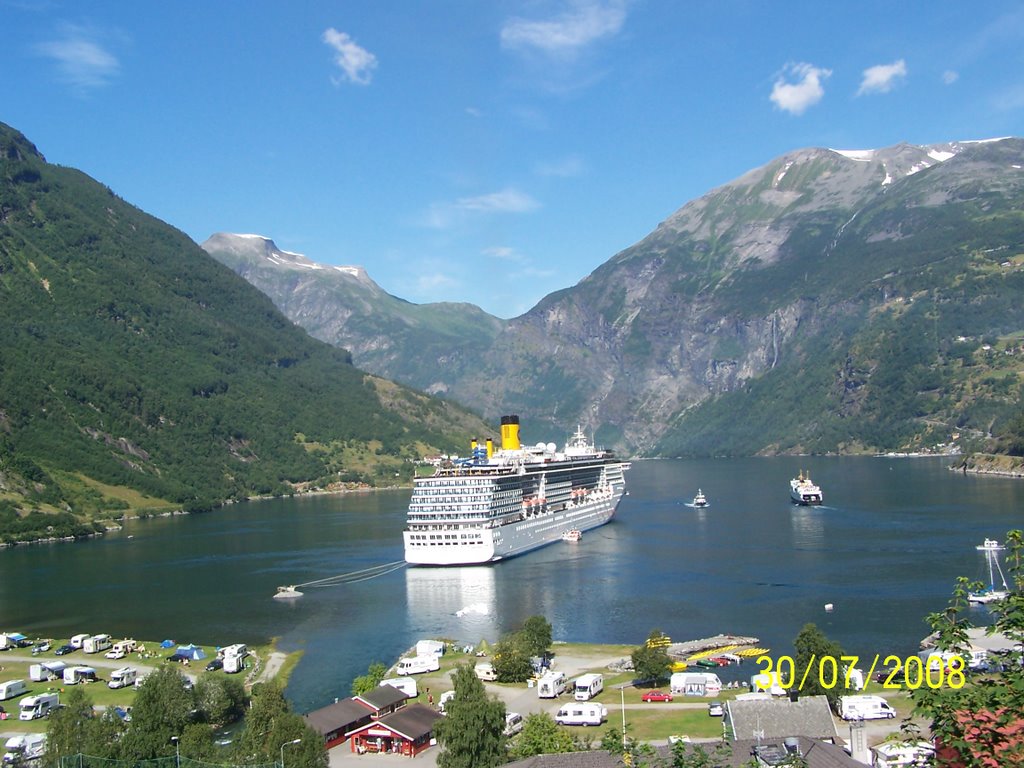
[699, 500]
[287, 593]
[803, 491]
[992, 592]
[574, 534]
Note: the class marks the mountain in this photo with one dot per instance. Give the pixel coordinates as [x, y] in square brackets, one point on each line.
[826, 301]
[344, 307]
[136, 371]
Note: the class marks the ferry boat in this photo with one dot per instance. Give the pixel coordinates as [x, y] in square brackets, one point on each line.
[498, 503]
[803, 491]
[700, 500]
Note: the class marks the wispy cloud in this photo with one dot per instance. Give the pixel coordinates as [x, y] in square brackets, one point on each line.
[586, 22]
[509, 200]
[882, 78]
[502, 253]
[356, 63]
[798, 87]
[80, 58]
[949, 77]
[567, 167]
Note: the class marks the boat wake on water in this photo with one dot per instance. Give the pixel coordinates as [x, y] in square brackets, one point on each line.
[353, 577]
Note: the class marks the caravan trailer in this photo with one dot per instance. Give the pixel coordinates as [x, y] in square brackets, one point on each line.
[47, 670]
[76, 675]
[405, 684]
[578, 713]
[552, 685]
[21, 749]
[12, 688]
[695, 684]
[417, 664]
[96, 644]
[588, 686]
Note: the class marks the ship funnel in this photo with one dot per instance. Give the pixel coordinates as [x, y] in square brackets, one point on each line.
[490, 447]
[510, 433]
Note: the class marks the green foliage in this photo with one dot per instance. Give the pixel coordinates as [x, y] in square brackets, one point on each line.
[537, 636]
[164, 706]
[541, 735]
[220, 699]
[651, 661]
[365, 683]
[511, 659]
[811, 646]
[471, 735]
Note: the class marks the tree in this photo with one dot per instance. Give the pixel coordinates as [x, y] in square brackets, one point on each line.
[472, 733]
[220, 699]
[651, 661]
[163, 707]
[511, 659]
[812, 647]
[68, 727]
[369, 681]
[537, 636]
[269, 724]
[541, 736]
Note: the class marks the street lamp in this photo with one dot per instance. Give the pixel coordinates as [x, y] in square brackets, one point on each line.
[293, 741]
[177, 754]
[622, 697]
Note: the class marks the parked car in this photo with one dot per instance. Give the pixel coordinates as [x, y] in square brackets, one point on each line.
[64, 650]
[715, 709]
[898, 677]
[656, 696]
[214, 665]
[179, 658]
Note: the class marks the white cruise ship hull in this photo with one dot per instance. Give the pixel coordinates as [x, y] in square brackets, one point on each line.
[515, 538]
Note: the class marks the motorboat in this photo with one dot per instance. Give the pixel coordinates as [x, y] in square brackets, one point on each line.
[700, 500]
[573, 534]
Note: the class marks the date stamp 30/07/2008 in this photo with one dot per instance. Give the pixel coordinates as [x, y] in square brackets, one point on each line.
[901, 673]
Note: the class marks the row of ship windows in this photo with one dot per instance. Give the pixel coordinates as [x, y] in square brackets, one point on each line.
[423, 539]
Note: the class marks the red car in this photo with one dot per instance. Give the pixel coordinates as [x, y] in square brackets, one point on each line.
[656, 696]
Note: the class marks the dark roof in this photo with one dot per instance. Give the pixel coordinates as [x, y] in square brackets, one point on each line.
[412, 722]
[779, 718]
[382, 697]
[339, 715]
[817, 753]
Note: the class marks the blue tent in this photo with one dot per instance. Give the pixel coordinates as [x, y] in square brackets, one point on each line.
[191, 651]
[167, 644]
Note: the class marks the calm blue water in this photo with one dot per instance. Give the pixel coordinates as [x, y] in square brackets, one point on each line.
[885, 550]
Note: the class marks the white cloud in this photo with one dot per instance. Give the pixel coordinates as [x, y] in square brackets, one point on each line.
[949, 77]
[446, 214]
[355, 62]
[586, 22]
[882, 78]
[567, 167]
[81, 60]
[503, 253]
[806, 91]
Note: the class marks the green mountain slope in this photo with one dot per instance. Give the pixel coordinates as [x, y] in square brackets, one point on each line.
[131, 360]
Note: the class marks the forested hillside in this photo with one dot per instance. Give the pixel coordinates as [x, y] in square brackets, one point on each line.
[137, 372]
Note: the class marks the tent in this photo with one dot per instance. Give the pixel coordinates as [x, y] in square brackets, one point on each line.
[191, 651]
[167, 644]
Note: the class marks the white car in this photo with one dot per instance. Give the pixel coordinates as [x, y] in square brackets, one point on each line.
[715, 709]
[117, 653]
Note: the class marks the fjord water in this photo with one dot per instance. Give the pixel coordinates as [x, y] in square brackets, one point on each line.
[885, 550]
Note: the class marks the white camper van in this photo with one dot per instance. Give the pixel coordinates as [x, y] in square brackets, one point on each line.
[20, 749]
[33, 707]
[96, 644]
[581, 714]
[552, 685]
[122, 678]
[588, 686]
[865, 708]
[415, 665]
[485, 671]
[12, 688]
[77, 641]
[513, 723]
[405, 684]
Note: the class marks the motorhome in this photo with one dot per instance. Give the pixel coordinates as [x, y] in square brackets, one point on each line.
[96, 644]
[76, 675]
[20, 749]
[552, 685]
[122, 678]
[443, 701]
[428, 647]
[588, 686]
[405, 684]
[695, 684]
[238, 649]
[581, 714]
[34, 707]
[415, 665]
[233, 664]
[865, 708]
[485, 671]
[12, 688]
[47, 670]
[513, 723]
[77, 641]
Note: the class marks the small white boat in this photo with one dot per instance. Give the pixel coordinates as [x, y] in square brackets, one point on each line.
[993, 591]
[287, 593]
[573, 534]
[700, 500]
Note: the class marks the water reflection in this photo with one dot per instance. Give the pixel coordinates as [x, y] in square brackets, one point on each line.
[808, 524]
[458, 603]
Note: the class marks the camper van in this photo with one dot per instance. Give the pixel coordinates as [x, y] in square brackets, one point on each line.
[47, 670]
[34, 707]
[513, 723]
[695, 684]
[768, 682]
[485, 671]
[122, 678]
[405, 684]
[77, 641]
[234, 664]
[96, 644]
[76, 675]
[238, 649]
[443, 701]
[552, 685]
[865, 708]
[581, 714]
[415, 665]
[12, 688]
[588, 686]
[21, 749]
[430, 647]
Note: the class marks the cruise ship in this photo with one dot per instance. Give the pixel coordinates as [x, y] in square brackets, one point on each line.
[498, 503]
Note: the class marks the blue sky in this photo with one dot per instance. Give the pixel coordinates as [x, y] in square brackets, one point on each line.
[488, 152]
